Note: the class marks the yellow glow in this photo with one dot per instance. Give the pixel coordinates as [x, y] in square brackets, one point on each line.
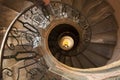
[66, 42]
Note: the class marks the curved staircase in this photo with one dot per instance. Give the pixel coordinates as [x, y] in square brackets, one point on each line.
[102, 35]
[35, 40]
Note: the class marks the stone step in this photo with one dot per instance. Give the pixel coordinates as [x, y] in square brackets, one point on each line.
[67, 1]
[68, 61]
[78, 4]
[98, 16]
[89, 5]
[96, 59]
[6, 15]
[75, 62]
[104, 50]
[106, 25]
[85, 62]
[62, 58]
[17, 5]
[105, 38]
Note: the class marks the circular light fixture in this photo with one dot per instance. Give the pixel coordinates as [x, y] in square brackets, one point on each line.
[66, 42]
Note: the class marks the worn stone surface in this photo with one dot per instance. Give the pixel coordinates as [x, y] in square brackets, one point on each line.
[6, 15]
[67, 1]
[65, 71]
[17, 5]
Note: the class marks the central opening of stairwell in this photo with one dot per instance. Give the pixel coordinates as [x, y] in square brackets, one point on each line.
[66, 42]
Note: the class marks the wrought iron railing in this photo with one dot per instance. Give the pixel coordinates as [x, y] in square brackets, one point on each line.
[21, 51]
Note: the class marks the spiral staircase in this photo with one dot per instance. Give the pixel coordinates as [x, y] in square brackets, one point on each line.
[66, 40]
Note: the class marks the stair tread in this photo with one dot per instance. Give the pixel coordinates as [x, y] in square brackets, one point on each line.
[67, 1]
[102, 49]
[90, 5]
[85, 63]
[78, 4]
[17, 5]
[62, 59]
[99, 15]
[95, 59]
[75, 62]
[108, 24]
[6, 15]
[105, 38]
[68, 61]
[57, 55]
